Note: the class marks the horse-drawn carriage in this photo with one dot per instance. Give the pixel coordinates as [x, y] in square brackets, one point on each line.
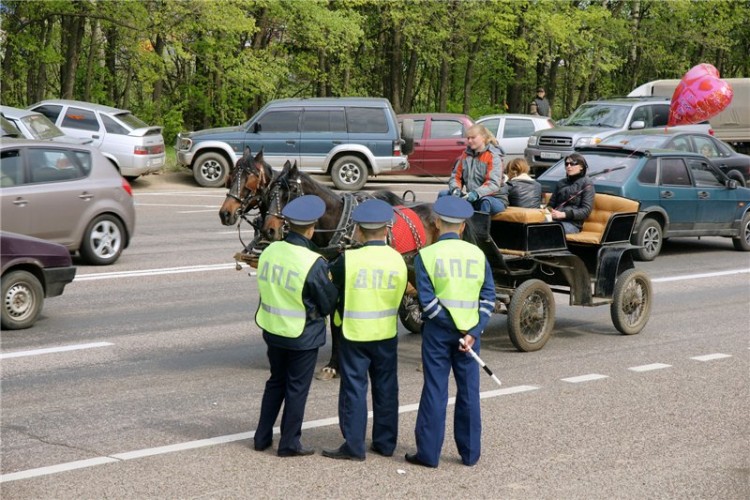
[531, 258]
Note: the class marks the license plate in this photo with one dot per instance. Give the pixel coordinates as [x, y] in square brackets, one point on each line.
[549, 156]
[157, 162]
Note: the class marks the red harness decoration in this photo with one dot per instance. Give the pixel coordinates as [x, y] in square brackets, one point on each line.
[408, 231]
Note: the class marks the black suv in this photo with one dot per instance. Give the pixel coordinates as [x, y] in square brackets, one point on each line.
[347, 138]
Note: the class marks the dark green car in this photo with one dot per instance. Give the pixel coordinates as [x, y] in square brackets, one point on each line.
[681, 194]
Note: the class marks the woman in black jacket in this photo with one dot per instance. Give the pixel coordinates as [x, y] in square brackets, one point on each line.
[523, 191]
[573, 198]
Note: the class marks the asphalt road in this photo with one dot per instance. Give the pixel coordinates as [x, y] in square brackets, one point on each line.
[144, 381]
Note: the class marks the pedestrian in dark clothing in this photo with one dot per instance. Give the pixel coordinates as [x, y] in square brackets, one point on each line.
[573, 198]
[523, 191]
[457, 294]
[296, 295]
[371, 281]
[540, 105]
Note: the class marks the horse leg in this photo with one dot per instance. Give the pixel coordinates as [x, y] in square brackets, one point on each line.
[331, 370]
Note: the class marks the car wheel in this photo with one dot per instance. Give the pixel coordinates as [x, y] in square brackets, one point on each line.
[742, 241]
[649, 238]
[103, 241]
[23, 298]
[349, 173]
[407, 135]
[737, 176]
[631, 302]
[531, 315]
[131, 178]
[210, 169]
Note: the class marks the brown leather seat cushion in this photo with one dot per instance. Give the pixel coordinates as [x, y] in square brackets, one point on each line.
[520, 215]
[605, 205]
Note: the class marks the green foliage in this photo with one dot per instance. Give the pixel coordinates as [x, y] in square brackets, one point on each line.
[195, 64]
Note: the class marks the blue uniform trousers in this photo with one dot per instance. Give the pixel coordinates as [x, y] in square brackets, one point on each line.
[379, 359]
[439, 354]
[291, 375]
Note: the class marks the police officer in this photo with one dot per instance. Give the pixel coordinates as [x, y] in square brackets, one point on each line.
[296, 295]
[457, 294]
[371, 282]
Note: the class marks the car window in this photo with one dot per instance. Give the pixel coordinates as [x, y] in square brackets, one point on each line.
[11, 173]
[724, 149]
[600, 168]
[599, 115]
[446, 129]
[82, 119]
[681, 143]
[130, 120]
[418, 128]
[280, 121]
[515, 127]
[112, 127]
[366, 120]
[52, 165]
[704, 175]
[660, 113]
[492, 124]
[648, 174]
[51, 111]
[323, 120]
[41, 127]
[705, 146]
[674, 172]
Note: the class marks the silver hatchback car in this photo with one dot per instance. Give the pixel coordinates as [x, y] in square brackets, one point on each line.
[134, 147]
[66, 193]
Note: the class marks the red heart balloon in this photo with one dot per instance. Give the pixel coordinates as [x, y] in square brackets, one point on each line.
[700, 95]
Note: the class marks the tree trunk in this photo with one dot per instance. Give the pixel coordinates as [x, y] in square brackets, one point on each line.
[476, 46]
[110, 62]
[396, 71]
[159, 84]
[321, 76]
[411, 73]
[90, 60]
[73, 28]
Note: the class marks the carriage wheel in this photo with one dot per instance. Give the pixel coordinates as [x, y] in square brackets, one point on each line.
[631, 302]
[410, 313]
[531, 315]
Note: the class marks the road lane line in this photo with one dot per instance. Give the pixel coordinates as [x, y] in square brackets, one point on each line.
[186, 205]
[647, 368]
[700, 276]
[584, 378]
[711, 357]
[153, 272]
[50, 350]
[229, 438]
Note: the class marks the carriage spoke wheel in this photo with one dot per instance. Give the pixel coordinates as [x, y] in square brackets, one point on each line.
[631, 302]
[410, 313]
[531, 315]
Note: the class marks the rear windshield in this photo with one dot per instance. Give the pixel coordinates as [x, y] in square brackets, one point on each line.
[130, 120]
[600, 168]
[41, 127]
[599, 115]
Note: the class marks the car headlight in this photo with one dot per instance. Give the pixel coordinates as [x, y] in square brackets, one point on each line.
[532, 140]
[588, 141]
[184, 144]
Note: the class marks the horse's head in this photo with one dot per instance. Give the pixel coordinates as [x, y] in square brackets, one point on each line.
[283, 189]
[246, 184]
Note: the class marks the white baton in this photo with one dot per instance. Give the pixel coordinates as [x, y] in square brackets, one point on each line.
[481, 363]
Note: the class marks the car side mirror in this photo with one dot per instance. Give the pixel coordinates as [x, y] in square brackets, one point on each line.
[638, 124]
[732, 183]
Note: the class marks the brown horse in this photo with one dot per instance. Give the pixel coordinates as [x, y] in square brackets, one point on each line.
[246, 183]
[334, 232]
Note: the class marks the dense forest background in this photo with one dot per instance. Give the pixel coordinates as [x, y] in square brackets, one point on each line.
[188, 65]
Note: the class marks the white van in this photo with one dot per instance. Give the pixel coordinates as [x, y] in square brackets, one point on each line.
[731, 125]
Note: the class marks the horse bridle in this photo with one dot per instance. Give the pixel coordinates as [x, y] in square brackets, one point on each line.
[238, 183]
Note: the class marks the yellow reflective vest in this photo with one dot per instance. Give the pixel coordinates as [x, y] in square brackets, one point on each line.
[456, 270]
[282, 270]
[375, 281]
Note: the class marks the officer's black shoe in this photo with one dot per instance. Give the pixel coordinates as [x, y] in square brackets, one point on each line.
[412, 459]
[301, 452]
[379, 452]
[339, 454]
[262, 447]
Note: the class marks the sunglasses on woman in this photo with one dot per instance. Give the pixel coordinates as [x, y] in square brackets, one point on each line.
[569, 163]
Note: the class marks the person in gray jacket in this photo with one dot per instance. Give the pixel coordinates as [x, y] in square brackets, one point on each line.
[523, 191]
[479, 171]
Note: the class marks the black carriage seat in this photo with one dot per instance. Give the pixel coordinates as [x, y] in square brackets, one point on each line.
[611, 221]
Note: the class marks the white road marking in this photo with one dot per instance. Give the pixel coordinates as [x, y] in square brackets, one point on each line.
[153, 272]
[647, 368]
[185, 205]
[711, 357]
[51, 350]
[196, 211]
[700, 276]
[229, 438]
[584, 378]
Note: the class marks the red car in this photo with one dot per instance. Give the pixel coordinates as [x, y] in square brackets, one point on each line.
[439, 139]
[32, 269]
